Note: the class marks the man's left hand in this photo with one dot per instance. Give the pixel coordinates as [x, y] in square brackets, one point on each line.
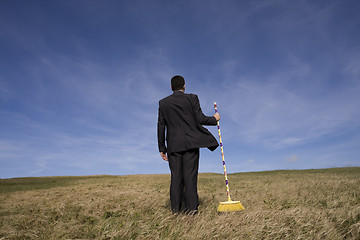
[217, 116]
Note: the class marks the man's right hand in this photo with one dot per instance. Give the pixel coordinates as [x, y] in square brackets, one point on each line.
[164, 156]
[217, 116]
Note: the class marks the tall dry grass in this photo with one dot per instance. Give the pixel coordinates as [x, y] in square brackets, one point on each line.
[308, 204]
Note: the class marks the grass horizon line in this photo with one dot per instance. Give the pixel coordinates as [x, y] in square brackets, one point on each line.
[153, 174]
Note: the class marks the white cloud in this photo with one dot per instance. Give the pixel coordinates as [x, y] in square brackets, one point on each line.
[352, 66]
[40, 167]
[292, 158]
[251, 160]
[4, 89]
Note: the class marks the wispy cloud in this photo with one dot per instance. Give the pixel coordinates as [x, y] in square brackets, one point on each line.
[39, 168]
[275, 114]
[251, 160]
[292, 158]
[113, 120]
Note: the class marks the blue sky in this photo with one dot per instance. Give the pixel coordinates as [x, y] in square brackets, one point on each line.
[80, 83]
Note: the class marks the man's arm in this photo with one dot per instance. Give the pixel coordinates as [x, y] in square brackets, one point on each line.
[204, 120]
[161, 134]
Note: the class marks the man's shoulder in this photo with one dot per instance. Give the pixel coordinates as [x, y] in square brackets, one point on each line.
[173, 96]
[164, 99]
[192, 96]
[189, 95]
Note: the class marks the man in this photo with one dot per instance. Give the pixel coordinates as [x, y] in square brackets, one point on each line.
[180, 114]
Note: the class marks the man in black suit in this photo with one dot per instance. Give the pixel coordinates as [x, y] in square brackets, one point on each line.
[182, 118]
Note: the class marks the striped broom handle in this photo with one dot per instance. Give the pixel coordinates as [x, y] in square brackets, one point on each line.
[222, 155]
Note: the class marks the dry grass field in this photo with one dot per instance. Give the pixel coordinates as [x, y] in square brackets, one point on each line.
[306, 204]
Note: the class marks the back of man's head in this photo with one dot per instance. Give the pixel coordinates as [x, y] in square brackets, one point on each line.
[177, 83]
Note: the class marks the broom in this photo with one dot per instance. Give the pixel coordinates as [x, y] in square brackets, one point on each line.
[228, 206]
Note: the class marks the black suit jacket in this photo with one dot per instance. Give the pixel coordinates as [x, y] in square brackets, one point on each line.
[180, 114]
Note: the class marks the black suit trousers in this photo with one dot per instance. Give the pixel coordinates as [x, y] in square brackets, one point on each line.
[184, 168]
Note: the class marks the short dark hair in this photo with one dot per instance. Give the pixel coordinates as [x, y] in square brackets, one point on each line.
[177, 82]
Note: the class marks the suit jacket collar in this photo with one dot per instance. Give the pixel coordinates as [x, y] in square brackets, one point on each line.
[178, 92]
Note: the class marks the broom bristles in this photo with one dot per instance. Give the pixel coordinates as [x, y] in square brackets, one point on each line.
[230, 206]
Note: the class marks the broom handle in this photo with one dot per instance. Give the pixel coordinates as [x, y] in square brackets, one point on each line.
[222, 155]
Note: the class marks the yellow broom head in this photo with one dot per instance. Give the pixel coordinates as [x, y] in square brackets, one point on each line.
[230, 206]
